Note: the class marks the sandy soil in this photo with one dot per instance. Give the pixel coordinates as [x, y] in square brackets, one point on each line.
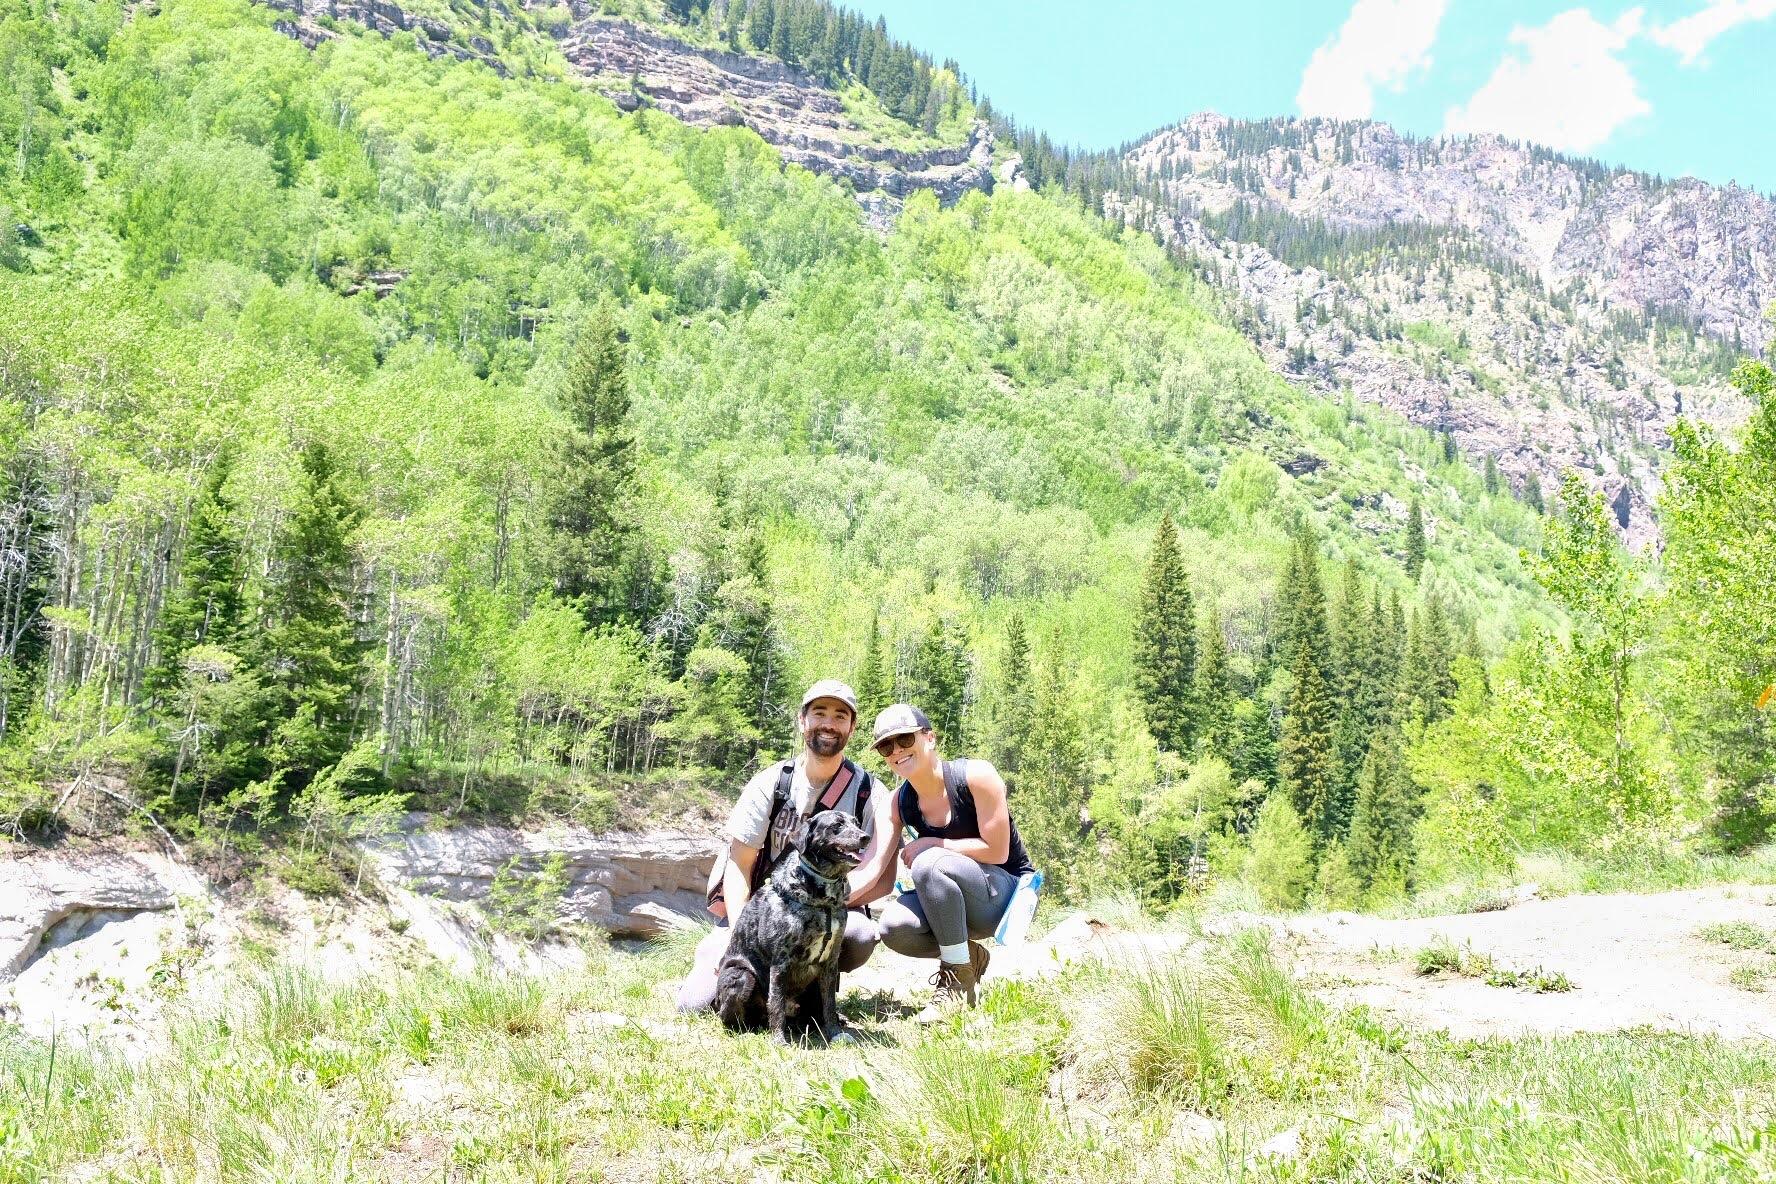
[1634, 961]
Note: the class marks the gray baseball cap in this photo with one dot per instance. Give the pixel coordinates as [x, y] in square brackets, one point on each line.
[831, 688]
[898, 720]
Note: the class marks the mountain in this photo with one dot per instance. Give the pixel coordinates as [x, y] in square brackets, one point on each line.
[1546, 312]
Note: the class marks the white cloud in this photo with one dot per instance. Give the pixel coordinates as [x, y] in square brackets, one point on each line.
[1567, 89]
[1381, 43]
[1691, 35]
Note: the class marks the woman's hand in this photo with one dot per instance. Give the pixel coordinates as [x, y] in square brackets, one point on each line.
[912, 850]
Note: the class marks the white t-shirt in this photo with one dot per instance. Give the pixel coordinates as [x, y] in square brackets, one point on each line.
[750, 820]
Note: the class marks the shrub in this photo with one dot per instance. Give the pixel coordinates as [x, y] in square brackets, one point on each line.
[1279, 862]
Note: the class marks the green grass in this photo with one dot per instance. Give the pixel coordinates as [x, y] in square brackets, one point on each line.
[1443, 956]
[1740, 935]
[1090, 1075]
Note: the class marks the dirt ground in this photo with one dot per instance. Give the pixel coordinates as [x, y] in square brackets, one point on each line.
[1634, 960]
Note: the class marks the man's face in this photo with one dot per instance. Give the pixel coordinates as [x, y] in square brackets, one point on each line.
[826, 727]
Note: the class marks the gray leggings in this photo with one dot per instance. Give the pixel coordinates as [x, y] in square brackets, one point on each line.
[953, 899]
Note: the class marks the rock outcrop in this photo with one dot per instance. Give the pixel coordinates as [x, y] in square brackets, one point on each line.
[1476, 286]
[789, 109]
[631, 885]
[435, 37]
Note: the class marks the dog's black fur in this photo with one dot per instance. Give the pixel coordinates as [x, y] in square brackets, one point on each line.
[783, 959]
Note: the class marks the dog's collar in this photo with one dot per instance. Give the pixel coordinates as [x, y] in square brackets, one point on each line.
[816, 873]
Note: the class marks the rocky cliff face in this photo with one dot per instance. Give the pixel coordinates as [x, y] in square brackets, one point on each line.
[803, 120]
[1545, 312]
[634, 64]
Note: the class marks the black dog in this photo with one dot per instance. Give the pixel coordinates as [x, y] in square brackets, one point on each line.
[783, 959]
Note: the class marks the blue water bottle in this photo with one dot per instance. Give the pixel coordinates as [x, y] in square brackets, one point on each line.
[1014, 926]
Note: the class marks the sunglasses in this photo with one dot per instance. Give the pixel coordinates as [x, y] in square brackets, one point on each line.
[896, 744]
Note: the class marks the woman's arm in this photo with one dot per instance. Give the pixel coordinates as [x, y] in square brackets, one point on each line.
[866, 881]
[994, 845]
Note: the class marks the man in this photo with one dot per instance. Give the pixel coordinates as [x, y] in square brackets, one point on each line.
[774, 802]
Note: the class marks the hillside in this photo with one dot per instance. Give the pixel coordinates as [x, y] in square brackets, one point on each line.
[394, 255]
[1547, 313]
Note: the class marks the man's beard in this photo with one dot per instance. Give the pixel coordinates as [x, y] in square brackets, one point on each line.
[825, 742]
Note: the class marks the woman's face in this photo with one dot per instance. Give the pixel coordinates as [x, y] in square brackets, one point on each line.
[903, 757]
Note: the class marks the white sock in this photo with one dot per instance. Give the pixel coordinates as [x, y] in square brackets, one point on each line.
[956, 955]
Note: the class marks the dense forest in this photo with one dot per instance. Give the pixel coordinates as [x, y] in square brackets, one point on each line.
[379, 431]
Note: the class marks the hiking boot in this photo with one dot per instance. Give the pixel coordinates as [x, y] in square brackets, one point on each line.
[952, 990]
[978, 957]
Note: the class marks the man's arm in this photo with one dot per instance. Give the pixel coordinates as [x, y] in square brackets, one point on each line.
[865, 881]
[737, 877]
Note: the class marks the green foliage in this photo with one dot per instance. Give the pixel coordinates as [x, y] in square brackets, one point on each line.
[310, 648]
[1056, 777]
[1719, 510]
[938, 679]
[1415, 540]
[1380, 846]
[1279, 861]
[524, 899]
[1164, 650]
[588, 510]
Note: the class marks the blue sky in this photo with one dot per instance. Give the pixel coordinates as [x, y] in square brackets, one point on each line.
[1668, 86]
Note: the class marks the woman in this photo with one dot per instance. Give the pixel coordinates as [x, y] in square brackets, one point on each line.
[964, 854]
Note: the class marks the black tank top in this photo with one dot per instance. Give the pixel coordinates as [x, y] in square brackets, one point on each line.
[964, 822]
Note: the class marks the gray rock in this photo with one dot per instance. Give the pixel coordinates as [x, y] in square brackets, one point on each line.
[631, 885]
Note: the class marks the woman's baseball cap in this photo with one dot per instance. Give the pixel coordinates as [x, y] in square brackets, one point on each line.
[898, 720]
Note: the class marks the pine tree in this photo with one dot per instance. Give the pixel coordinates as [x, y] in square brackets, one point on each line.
[744, 624]
[1532, 494]
[1380, 846]
[1015, 703]
[780, 34]
[1254, 752]
[1307, 759]
[311, 653]
[872, 679]
[1427, 684]
[938, 682]
[1049, 803]
[1491, 475]
[1354, 646]
[205, 608]
[1165, 645]
[1415, 540]
[588, 514]
[762, 25]
[1213, 692]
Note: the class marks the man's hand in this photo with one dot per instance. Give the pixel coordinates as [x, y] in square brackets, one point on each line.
[912, 850]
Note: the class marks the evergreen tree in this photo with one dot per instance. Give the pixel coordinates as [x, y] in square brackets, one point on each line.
[1532, 494]
[1015, 703]
[872, 679]
[1165, 645]
[311, 653]
[1491, 475]
[780, 34]
[205, 607]
[588, 514]
[1052, 792]
[1254, 752]
[1380, 846]
[1213, 692]
[1354, 645]
[744, 624]
[938, 681]
[1307, 759]
[1427, 684]
[761, 26]
[1279, 862]
[1415, 540]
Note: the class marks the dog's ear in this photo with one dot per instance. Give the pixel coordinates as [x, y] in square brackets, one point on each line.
[804, 829]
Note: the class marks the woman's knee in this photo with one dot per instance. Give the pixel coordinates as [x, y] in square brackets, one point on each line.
[901, 928]
[936, 864]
